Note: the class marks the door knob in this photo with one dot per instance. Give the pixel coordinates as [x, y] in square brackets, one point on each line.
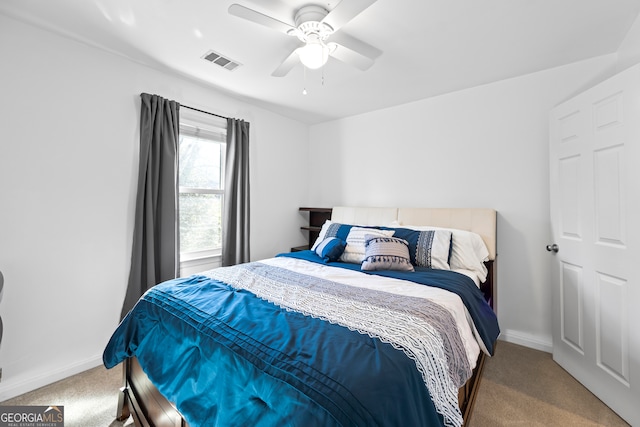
[553, 248]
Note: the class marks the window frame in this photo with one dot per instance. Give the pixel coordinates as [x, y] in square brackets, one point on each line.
[203, 126]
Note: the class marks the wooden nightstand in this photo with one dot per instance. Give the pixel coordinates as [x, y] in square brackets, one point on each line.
[317, 217]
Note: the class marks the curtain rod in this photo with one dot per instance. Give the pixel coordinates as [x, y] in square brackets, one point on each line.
[202, 111]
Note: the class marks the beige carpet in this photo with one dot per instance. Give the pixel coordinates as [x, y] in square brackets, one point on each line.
[89, 399]
[525, 387]
[520, 387]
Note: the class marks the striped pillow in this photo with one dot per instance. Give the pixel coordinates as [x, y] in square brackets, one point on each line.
[433, 249]
[354, 252]
[332, 229]
[427, 248]
[386, 253]
[330, 248]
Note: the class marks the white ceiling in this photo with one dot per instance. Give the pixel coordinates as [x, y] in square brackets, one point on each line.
[429, 47]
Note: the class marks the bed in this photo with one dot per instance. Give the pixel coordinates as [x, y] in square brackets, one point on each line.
[354, 331]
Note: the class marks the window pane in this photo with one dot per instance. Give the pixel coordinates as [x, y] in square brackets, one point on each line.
[200, 222]
[199, 165]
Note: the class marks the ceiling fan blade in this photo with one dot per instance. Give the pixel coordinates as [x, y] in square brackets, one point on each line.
[353, 51]
[345, 11]
[351, 57]
[259, 18]
[290, 61]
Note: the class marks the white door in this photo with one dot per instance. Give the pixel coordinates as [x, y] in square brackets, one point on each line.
[595, 218]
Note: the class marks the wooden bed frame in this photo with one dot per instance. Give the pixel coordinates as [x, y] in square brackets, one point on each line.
[139, 397]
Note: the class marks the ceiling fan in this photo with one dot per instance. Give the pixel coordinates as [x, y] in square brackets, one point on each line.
[317, 28]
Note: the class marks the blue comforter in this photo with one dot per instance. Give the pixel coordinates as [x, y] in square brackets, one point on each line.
[243, 349]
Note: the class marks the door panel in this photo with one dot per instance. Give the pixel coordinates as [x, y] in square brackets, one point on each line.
[571, 307]
[611, 328]
[571, 224]
[610, 194]
[595, 218]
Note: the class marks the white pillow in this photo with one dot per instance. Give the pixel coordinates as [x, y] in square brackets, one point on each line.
[468, 251]
[355, 250]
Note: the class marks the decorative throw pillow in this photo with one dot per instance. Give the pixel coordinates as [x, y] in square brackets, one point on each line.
[433, 248]
[468, 250]
[427, 248]
[332, 229]
[330, 248]
[354, 252]
[386, 253]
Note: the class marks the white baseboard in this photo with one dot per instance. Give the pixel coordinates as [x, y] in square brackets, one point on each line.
[544, 343]
[10, 388]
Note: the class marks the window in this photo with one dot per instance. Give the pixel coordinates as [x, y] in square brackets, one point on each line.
[202, 149]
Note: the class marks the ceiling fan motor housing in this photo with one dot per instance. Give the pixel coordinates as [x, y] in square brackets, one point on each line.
[309, 23]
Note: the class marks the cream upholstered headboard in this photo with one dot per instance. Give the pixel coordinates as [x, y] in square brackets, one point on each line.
[481, 221]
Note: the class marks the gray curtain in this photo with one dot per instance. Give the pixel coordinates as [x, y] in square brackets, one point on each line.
[235, 218]
[154, 257]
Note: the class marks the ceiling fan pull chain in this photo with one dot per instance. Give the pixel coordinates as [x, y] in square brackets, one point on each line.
[304, 77]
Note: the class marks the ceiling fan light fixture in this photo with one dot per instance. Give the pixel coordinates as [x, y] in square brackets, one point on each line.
[315, 26]
[314, 54]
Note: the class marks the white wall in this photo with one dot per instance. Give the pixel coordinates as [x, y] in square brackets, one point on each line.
[68, 170]
[482, 147]
[629, 50]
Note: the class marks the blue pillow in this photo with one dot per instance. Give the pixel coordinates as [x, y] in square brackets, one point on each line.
[330, 248]
[427, 248]
[332, 229]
